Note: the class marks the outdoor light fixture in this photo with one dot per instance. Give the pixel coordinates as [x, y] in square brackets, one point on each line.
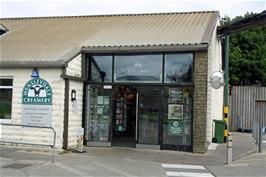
[35, 73]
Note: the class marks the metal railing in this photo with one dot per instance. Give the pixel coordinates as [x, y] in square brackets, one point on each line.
[34, 144]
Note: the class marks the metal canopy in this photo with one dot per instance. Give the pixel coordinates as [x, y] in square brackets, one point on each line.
[243, 24]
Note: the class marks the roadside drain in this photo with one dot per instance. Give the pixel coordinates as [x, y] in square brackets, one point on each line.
[17, 165]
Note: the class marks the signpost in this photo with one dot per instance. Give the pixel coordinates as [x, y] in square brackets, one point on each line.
[37, 103]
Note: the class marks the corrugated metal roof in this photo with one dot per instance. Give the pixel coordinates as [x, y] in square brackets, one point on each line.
[55, 38]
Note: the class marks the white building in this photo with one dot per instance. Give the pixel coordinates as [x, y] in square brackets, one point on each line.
[158, 64]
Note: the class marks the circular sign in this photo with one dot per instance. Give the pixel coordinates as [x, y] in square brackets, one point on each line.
[175, 124]
[217, 79]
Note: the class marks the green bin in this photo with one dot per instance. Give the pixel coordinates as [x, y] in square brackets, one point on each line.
[219, 131]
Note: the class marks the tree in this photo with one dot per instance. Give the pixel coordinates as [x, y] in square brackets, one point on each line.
[247, 57]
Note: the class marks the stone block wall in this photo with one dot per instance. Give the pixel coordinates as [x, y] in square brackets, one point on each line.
[200, 102]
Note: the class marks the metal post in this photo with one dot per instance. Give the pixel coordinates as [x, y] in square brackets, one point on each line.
[226, 80]
[260, 137]
[137, 116]
[229, 148]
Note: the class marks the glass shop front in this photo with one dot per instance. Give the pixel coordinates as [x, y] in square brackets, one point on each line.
[140, 99]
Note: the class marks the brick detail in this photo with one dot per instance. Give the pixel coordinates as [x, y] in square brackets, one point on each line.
[200, 102]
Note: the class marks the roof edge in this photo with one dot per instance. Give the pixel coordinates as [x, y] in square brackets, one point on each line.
[108, 15]
[138, 49]
[71, 55]
[32, 64]
[206, 38]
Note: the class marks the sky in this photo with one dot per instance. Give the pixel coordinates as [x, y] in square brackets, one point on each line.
[22, 8]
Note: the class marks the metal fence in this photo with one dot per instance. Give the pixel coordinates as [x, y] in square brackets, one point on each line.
[258, 126]
[242, 107]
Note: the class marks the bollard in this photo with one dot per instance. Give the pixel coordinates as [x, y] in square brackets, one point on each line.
[80, 139]
[229, 148]
[260, 139]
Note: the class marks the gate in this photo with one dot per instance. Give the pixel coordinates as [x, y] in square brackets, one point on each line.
[242, 107]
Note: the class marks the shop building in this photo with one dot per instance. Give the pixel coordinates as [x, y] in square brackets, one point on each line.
[137, 81]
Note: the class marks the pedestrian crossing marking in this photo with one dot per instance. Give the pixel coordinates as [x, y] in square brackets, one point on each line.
[188, 174]
[180, 170]
[165, 165]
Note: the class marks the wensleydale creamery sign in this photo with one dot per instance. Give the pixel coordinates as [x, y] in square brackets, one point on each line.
[36, 103]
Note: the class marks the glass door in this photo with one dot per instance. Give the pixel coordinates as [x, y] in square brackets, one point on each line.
[148, 114]
[99, 114]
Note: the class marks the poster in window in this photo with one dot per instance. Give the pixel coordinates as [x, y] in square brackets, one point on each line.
[100, 99]
[175, 95]
[175, 128]
[100, 110]
[106, 100]
[175, 111]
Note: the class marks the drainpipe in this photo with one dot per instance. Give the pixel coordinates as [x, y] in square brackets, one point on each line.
[66, 110]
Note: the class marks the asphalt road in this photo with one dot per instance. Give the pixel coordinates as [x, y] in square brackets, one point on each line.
[88, 164]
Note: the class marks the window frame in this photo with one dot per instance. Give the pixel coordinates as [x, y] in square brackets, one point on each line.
[162, 83]
[135, 81]
[166, 81]
[11, 88]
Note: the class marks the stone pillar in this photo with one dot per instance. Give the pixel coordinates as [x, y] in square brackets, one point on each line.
[200, 102]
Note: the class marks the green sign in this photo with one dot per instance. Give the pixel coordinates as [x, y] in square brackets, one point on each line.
[175, 128]
[37, 91]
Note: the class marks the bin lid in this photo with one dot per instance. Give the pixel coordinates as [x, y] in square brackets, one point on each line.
[219, 121]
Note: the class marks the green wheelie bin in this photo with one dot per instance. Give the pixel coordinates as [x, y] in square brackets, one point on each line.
[219, 131]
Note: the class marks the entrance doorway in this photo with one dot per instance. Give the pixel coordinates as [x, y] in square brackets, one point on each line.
[124, 116]
[136, 115]
[153, 117]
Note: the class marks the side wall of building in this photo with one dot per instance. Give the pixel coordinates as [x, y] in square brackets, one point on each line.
[30, 135]
[74, 67]
[75, 106]
[215, 96]
[75, 112]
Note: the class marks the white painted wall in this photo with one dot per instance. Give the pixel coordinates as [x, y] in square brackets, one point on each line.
[75, 116]
[215, 96]
[75, 112]
[74, 67]
[20, 77]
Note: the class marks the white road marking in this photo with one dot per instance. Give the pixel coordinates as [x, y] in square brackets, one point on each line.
[199, 167]
[180, 170]
[189, 174]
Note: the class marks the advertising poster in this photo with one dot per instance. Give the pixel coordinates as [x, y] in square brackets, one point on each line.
[175, 128]
[175, 111]
[175, 95]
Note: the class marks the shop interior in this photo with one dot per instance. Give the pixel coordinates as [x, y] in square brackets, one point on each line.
[124, 116]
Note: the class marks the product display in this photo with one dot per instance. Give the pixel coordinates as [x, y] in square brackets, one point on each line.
[99, 116]
[120, 114]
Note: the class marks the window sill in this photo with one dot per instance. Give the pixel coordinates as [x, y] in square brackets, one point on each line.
[7, 121]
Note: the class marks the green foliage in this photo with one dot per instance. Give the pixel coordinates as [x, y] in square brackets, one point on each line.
[247, 57]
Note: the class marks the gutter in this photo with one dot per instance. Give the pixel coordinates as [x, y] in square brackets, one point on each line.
[42, 64]
[146, 48]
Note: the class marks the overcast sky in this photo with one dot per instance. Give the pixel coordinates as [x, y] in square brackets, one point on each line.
[22, 8]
